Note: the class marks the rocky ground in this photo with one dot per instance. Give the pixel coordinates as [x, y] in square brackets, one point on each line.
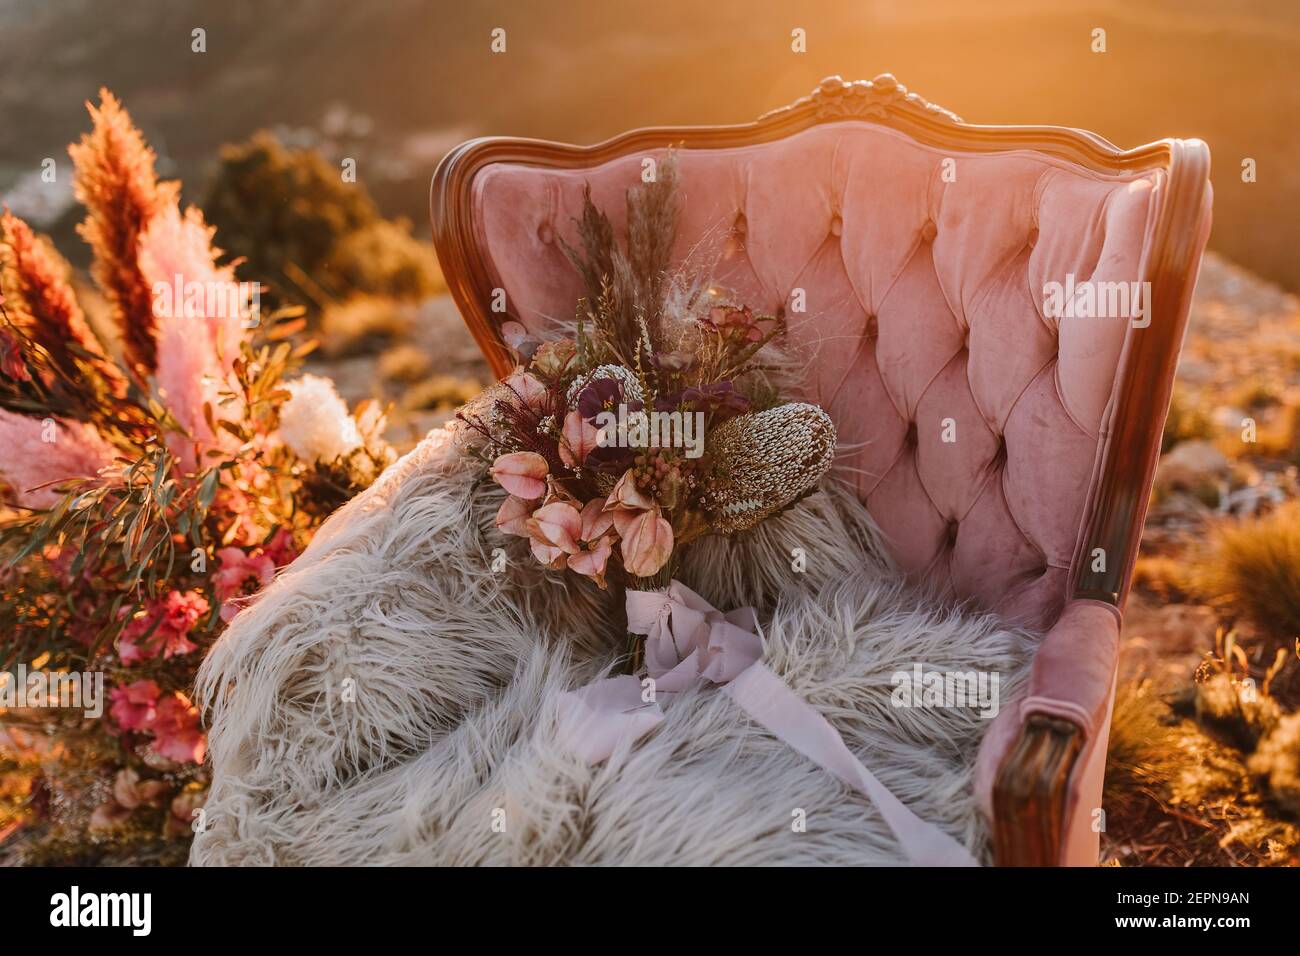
[1231, 458]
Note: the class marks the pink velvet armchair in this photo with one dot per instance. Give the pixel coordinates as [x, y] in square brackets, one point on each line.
[1007, 453]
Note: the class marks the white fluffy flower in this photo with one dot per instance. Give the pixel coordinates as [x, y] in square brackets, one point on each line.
[314, 421]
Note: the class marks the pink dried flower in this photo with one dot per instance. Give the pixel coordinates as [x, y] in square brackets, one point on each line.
[598, 542]
[522, 473]
[240, 576]
[592, 561]
[580, 439]
[554, 531]
[177, 735]
[512, 517]
[530, 390]
[561, 536]
[134, 706]
[627, 502]
[596, 521]
[647, 544]
[163, 628]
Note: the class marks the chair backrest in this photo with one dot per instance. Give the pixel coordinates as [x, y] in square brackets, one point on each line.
[1006, 451]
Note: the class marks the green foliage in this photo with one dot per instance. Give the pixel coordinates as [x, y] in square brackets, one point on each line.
[307, 234]
[383, 258]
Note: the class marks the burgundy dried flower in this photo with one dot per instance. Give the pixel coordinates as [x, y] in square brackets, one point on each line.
[602, 395]
[729, 321]
[717, 398]
[11, 358]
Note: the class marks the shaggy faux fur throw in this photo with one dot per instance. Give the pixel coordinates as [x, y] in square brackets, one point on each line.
[391, 698]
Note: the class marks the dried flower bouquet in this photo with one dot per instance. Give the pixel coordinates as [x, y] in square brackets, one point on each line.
[655, 422]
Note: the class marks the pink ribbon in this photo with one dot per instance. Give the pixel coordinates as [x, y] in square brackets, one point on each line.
[688, 639]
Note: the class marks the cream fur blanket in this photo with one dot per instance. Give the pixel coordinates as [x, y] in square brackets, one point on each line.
[391, 699]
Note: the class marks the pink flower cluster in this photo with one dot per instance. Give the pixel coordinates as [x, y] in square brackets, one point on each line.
[243, 573]
[162, 628]
[565, 533]
[171, 718]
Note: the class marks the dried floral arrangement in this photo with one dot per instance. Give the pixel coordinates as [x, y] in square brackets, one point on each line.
[146, 497]
[656, 422]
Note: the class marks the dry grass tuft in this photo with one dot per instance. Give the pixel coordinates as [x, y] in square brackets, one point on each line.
[405, 363]
[440, 392]
[363, 324]
[1166, 578]
[1175, 796]
[1253, 568]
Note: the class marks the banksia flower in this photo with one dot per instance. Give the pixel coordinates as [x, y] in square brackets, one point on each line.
[763, 461]
[40, 302]
[115, 181]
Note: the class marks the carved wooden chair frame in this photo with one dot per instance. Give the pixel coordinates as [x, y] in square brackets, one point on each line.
[1032, 784]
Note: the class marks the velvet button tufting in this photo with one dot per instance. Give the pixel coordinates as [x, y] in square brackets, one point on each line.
[545, 233]
[837, 226]
[929, 230]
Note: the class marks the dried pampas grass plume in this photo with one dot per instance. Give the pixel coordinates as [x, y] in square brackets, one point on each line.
[115, 180]
[41, 303]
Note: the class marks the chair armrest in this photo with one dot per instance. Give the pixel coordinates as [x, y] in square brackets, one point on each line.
[1037, 789]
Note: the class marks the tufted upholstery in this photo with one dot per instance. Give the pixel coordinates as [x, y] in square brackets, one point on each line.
[923, 315]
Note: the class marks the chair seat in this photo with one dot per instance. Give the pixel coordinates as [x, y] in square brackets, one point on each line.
[392, 699]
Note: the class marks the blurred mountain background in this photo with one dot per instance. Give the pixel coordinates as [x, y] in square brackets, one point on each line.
[396, 83]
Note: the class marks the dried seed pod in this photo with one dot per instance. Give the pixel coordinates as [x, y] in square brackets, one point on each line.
[762, 461]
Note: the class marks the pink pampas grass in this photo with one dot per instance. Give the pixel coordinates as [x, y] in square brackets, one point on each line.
[200, 325]
[176, 254]
[39, 451]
